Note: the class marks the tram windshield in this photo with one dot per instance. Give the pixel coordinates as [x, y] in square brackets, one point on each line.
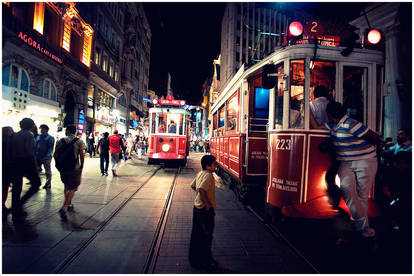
[297, 89]
[170, 123]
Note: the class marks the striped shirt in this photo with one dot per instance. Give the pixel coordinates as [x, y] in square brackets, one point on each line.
[349, 145]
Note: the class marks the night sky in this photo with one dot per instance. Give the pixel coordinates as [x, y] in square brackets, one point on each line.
[186, 38]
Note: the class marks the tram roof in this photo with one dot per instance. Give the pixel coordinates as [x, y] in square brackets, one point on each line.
[301, 51]
[168, 110]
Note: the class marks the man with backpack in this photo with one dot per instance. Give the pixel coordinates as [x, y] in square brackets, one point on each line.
[69, 157]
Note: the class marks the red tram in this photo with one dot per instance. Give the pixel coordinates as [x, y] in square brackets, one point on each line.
[263, 137]
[169, 131]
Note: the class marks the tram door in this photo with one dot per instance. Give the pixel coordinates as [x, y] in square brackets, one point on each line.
[353, 95]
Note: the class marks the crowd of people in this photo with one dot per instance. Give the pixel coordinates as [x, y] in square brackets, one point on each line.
[198, 144]
[27, 152]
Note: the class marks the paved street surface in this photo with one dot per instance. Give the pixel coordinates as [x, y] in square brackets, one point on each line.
[119, 227]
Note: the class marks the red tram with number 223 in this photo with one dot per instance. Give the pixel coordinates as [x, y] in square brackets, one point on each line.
[262, 137]
[169, 131]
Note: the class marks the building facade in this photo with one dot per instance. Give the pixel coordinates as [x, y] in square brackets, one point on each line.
[106, 102]
[136, 62]
[249, 32]
[46, 64]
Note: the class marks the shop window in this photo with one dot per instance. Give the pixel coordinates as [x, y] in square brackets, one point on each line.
[297, 88]
[15, 76]
[47, 89]
[232, 112]
[214, 121]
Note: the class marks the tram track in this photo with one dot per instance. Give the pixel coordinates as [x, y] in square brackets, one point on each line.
[278, 234]
[156, 242]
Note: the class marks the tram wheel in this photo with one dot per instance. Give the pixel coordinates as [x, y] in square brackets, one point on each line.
[150, 161]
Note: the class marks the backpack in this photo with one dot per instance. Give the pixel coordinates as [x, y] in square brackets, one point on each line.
[66, 160]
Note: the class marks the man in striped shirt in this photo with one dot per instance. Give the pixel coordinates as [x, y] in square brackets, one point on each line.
[355, 149]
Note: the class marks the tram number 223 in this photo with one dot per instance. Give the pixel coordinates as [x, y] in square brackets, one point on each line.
[283, 144]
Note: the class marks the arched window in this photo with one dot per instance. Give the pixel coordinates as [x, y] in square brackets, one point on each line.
[47, 89]
[16, 76]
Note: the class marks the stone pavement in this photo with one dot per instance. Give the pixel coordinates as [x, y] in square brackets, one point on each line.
[42, 242]
[241, 243]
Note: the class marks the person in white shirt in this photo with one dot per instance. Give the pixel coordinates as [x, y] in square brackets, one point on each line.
[318, 106]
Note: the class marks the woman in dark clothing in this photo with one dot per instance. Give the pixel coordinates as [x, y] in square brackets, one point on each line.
[91, 144]
[6, 165]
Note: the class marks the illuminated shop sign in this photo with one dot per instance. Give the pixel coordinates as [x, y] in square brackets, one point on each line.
[81, 121]
[32, 42]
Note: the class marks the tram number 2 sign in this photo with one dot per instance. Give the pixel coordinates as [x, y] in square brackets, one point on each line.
[286, 168]
[314, 28]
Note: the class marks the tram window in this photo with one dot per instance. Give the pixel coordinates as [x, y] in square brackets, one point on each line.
[261, 103]
[232, 111]
[221, 120]
[322, 74]
[215, 121]
[153, 118]
[279, 98]
[161, 126]
[297, 110]
[354, 87]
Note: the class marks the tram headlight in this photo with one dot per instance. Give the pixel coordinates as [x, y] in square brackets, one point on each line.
[165, 147]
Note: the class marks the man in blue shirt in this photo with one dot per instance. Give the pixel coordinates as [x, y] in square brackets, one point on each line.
[44, 150]
[403, 142]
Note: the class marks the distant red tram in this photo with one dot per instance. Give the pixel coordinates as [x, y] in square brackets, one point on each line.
[169, 131]
[263, 138]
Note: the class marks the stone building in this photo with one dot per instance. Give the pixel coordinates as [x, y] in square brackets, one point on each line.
[46, 60]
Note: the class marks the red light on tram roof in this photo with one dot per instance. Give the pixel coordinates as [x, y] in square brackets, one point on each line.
[374, 36]
[182, 102]
[295, 28]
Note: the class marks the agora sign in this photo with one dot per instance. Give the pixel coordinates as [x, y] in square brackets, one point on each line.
[30, 41]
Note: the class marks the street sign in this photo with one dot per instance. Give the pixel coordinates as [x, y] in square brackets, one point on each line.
[147, 100]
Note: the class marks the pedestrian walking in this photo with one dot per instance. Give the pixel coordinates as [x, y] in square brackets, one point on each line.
[355, 150]
[201, 146]
[123, 148]
[139, 148]
[23, 165]
[129, 145]
[91, 145]
[103, 149]
[203, 215]
[69, 157]
[7, 133]
[115, 146]
[44, 149]
[97, 138]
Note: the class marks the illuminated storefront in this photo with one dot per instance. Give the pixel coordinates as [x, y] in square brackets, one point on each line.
[41, 110]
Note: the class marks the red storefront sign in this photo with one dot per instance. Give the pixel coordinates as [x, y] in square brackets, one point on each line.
[286, 169]
[32, 42]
